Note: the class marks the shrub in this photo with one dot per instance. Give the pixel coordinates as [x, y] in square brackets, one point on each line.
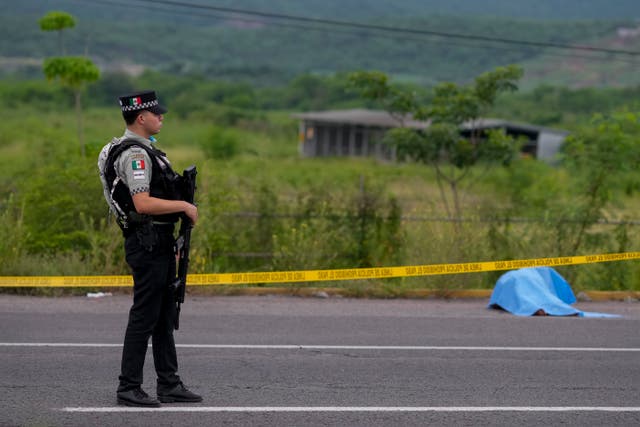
[221, 143]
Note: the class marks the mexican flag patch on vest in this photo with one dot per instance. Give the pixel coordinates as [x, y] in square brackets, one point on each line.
[137, 165]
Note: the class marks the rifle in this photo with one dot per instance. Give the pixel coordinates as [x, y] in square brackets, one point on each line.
[183, 242]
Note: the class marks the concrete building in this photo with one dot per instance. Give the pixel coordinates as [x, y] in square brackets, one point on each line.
[360, 132]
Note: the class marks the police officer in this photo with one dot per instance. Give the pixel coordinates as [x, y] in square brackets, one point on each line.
[147, 208]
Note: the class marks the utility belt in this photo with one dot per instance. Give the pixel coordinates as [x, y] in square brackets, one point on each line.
[147, 230]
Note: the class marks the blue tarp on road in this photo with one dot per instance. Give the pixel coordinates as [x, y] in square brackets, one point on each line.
[539, 290]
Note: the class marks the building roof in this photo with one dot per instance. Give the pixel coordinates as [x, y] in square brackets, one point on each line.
[505, 124]
[379, 118]
[362, 117]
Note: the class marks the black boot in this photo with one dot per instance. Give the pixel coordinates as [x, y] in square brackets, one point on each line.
[178, 394]
[136, 397]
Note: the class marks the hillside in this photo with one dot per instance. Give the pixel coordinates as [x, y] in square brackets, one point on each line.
[267, 51]
[576, 70]
[563, 10]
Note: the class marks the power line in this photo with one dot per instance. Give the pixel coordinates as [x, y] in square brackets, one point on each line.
[395, 36]
[391, 29]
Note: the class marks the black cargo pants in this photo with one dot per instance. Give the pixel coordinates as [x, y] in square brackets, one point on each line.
[152, 313]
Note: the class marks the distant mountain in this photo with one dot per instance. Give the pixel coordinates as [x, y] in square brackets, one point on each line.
[577, 69]
[568, 10]
[262, 49]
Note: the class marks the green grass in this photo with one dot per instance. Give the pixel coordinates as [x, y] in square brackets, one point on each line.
[267, 176]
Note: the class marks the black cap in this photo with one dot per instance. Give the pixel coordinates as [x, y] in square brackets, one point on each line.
[141, 101]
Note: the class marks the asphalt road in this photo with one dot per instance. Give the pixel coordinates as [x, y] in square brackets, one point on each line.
[280, 361]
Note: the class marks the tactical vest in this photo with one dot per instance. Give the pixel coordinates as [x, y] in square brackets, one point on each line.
[165, 184]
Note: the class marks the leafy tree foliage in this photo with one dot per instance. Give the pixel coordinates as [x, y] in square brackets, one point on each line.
[75, 73]
[72, 71]
[57, 21]
[452, 108]
[596, 156]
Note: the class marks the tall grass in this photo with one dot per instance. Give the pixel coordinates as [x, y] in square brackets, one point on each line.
[262, 207]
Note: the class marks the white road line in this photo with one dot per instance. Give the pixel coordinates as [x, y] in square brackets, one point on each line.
[57, 344]
[339, 347]
[247, 409]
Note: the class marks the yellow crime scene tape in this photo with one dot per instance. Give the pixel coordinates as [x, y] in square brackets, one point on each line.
[227, 279]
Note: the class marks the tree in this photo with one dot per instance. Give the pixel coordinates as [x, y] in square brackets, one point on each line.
[596, 155]
[73, 72]
[451, 109]
[57, 21]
